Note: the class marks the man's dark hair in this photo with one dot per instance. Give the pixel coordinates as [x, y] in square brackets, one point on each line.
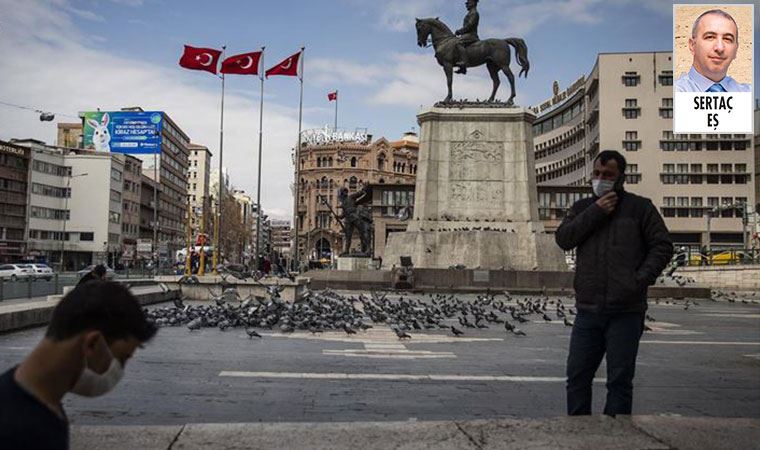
[718, 12]
[104, 306]
[606, 155]
[99, 270]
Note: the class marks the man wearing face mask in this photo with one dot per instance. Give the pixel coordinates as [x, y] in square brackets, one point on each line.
[93, 331]
[621, 245]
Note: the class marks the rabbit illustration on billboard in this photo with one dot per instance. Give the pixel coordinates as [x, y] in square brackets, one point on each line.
[101, 137]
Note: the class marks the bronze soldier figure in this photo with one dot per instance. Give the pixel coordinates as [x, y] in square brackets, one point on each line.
[355, 216]
[468, 34]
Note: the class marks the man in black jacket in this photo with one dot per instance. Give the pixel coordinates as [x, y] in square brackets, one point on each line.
[621, 245]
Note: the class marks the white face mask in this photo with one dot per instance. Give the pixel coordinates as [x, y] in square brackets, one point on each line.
[93, 384]
[602, 187]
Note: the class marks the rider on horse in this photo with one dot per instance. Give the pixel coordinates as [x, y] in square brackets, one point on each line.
[468, 34]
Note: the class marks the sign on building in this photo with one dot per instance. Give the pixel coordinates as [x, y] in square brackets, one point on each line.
[144, 246]
[134, 132]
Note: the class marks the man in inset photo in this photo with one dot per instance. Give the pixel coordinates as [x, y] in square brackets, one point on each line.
[714, 42]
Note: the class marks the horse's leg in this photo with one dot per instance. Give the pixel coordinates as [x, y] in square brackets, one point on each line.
[503, 61]
[493, 70]
[511, 78]
[449, 70]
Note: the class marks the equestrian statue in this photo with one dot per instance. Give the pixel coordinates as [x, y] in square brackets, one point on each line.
[464, 49]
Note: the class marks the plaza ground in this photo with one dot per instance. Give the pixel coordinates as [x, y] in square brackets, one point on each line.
[704, 361]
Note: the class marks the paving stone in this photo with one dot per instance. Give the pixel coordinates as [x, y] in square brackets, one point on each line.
[701, 433]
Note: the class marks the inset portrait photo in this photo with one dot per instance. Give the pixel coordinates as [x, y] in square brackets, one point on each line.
[713, 69]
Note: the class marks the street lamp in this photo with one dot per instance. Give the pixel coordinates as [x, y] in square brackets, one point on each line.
[66, 214]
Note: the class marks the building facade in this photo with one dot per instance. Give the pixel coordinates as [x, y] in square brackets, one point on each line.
[14, 182]
[282, 240]
[626, 104]
[326, 167]
[198, 185]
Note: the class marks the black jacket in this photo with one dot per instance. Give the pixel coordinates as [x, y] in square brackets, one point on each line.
[618, 255]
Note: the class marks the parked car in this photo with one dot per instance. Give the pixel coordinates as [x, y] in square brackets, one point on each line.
[15, 271]
[725, 257]
[109, 271]
[42, 271]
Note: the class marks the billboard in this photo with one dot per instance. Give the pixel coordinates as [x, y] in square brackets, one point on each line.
[134, 132]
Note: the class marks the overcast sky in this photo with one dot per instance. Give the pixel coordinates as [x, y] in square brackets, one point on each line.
[67, 56]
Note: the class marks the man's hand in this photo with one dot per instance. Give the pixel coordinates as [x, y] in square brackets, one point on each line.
[608, 202]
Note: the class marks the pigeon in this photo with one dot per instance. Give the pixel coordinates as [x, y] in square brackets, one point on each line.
[402, 334]
[252, 333]
[457, 332]
[567, 322]
[348, 330]
[195, 324]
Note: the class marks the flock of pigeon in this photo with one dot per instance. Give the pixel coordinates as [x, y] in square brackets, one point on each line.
[329, 310]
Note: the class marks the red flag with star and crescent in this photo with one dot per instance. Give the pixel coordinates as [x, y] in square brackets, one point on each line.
[288, 67]
[243, 64]
[332, 96]
[197, 58]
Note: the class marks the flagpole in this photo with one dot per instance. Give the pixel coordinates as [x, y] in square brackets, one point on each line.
[219, 203]
[336, 110]
[258, 187]
[296, 252]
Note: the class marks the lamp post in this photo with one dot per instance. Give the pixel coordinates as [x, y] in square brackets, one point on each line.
[66, 215]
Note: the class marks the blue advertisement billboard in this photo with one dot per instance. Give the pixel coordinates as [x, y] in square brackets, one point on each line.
[134, 132]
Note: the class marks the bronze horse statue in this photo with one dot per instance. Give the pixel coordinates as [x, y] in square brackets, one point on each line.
[494, 53]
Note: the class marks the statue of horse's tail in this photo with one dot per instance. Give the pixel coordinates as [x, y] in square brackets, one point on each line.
[522, 54]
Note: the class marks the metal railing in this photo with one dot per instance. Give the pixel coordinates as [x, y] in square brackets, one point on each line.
[716, 257]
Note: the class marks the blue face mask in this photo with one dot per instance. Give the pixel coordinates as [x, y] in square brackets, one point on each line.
[602, 187]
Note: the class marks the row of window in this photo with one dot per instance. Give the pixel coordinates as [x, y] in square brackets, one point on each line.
[45, 235]
[51, 191]
[39, 212]
[631, 79]
[9, 209]
[683, 146]
[12, 185]
[554, 122]
[13, 161]
[397, 198]
[51, 169]
[694, 207]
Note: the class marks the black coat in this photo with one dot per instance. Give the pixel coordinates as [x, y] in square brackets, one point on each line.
[618, 255]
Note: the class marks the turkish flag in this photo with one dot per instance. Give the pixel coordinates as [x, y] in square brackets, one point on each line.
[288, 67]
[332, 96]
[243, 64]
[196, 58]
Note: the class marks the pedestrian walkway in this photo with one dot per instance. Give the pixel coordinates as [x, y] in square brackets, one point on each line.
[591, 432]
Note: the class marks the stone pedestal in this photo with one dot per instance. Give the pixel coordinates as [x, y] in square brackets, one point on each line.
[475, 199]
[354, 263]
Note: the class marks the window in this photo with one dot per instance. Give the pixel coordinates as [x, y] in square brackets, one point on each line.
[666, 78]
[353, 162]
[114, 217]
[115, 175]
[740, 174]
[666, 110]
[631, 142]
[352, 183]
[631, 109]
[631, 79]
[696, 174]
[632, 175]
[696, 207]
[115, 195]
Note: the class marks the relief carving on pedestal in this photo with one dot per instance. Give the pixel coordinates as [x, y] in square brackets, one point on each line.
[475, 164]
